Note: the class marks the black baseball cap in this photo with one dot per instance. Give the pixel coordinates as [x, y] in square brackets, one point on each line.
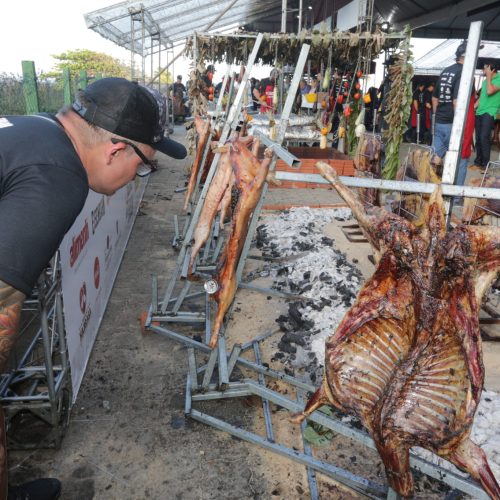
[129, 110]
[461, 49]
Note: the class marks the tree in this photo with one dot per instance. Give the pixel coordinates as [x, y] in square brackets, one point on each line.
[90, 61]
[165, 78]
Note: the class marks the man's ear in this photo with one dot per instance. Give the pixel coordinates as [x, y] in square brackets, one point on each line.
[113, 150]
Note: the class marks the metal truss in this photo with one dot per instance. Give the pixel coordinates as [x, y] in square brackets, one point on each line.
[36, 391]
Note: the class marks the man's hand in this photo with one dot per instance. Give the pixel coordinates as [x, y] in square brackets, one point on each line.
[490, 73]
[11, 302]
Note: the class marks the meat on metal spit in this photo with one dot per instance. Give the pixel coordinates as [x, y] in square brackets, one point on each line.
[217, 199]
[203, 130]
[250, 175]
[212, 204]
[407, 357]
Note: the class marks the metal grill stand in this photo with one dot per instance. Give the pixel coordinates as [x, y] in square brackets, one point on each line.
[213, 380]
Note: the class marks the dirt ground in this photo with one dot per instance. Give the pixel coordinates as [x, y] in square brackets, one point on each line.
[128, 437]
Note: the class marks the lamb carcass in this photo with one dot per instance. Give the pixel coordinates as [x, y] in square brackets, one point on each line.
[218, 187]
[218, 196]
[250, 175]
[203, 130]
[407, 358]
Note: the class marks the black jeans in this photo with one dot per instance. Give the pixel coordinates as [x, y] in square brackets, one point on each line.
[484, 126]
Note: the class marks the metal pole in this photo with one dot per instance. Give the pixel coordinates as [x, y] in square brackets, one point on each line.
[207, 27]
[405, 186]
[300, 17]
[167, 128]
[132, 46]
[143, 34]
[287, 109]
[418, 128]
[159, 64]
[453, 155]
[151, 61]
[283, 16]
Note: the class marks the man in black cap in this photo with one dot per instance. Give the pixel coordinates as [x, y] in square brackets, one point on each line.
[443, 105]
[47, 165]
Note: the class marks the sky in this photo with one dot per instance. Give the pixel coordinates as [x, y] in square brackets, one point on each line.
[33, 30]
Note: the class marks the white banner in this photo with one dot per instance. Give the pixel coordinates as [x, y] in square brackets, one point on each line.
[91, 253]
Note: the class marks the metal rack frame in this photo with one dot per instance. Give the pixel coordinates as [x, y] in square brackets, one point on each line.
[220, 363]
[38, 385]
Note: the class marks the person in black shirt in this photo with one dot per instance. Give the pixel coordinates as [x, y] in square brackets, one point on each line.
[443, 102]
[418, 113]
[208, 85]
[263, 91]
[427, 138]
[47, 164]
[179, 91]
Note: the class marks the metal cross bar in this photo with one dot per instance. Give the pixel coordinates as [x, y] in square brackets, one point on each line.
[453, 156]
[359, 484]
[404, 186]
[265, 402]
[287, 108]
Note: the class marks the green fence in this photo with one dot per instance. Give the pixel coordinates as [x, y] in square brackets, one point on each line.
[29, 93]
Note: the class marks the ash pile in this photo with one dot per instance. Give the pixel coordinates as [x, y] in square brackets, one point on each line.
[314, 269]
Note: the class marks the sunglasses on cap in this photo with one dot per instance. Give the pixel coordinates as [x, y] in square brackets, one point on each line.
[147, 166]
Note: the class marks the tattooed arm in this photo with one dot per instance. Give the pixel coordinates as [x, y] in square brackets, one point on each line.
[11, 301]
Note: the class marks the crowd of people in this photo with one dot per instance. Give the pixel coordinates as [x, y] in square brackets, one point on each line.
[432, 106]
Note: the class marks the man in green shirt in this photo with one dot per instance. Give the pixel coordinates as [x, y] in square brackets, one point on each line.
[486, 111]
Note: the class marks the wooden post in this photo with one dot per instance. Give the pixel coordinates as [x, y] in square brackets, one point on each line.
[29, 87]
[67, 86]
[82, 79]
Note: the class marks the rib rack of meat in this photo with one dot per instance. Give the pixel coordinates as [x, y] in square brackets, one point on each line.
[249, 174]
[407, 357]
[203, 130]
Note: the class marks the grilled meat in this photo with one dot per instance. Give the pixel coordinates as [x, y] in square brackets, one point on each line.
[407, 359]
[250, 175]
[203, 131]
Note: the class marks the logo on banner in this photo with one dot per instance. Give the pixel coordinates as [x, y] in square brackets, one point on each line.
[97, 272]
[97, 214]
[83, 298]
[78, 243]
[86, 311]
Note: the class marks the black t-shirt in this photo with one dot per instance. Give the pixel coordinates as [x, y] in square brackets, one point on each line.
[179, 89]
[446, 91]
[43, 187]
[419, 96]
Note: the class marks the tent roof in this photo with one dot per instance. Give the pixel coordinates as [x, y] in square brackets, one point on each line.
[427, 18]
[444, 55]
[171, 21]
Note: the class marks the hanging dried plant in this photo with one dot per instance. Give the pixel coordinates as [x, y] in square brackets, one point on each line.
[398, 106]
[344, 46]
